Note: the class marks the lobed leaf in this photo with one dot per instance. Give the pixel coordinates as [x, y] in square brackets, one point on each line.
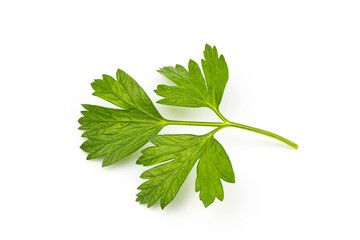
[178, 153]
[213, 166]
[116, 133]
[193, 90]
[125, 93]
[216, 73]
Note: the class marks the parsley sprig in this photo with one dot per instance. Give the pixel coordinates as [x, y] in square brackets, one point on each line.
[116, 133]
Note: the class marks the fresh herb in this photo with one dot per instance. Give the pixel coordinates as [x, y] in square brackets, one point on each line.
[116, 133]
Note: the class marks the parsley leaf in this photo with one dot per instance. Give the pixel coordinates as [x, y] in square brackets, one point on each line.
[183, 151]
[193, 90]
[166, 179]
[213, 166]
[125, 92]
[115, 133]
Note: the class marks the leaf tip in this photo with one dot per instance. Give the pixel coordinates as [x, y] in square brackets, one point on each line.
[163, 205]
[105, 163]
[139, 161]
[191, 63]
[206, 204]
[207, 46]
[119, 74]
[84, 146]
[86, 106]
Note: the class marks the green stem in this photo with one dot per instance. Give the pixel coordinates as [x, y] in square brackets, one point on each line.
[226, 123]
[216, 110]
[206, 124]
[266, 133]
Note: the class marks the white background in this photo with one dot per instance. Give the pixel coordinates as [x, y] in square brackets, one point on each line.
[294, 70]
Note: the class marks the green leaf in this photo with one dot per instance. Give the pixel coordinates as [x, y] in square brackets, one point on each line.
[178, 154]
[124, 92]
[116, 133]
[193, 90]
[213, 166]
[166, 179]
[216, 73]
